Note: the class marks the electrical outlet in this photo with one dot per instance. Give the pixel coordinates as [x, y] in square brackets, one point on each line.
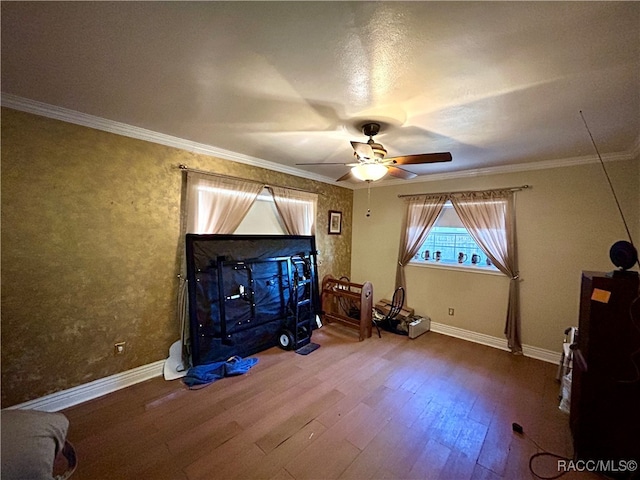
[119, 348]
[451, 312]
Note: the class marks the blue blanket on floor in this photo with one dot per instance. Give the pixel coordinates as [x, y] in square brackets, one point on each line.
[203, 375]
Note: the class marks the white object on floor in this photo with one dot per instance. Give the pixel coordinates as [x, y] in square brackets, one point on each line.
[565, 393]
[419, 326]
[173, 366]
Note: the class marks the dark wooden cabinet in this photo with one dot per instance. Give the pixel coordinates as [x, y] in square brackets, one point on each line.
[605, 393]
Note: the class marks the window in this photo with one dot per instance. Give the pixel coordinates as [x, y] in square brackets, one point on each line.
[217, 204]
[262, 218]
[449, 244]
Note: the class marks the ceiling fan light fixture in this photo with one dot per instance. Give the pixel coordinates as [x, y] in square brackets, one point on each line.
[369, 171]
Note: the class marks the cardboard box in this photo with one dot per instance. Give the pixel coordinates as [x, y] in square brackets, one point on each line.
[384, 306]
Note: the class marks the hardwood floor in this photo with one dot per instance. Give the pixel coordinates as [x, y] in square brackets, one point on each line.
[393, 408]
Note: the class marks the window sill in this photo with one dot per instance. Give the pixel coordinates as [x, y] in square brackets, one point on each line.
[457, 268]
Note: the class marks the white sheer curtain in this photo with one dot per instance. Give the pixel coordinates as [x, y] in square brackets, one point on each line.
[297, 210]
[489, 217]
[218, 204]
[420, 215]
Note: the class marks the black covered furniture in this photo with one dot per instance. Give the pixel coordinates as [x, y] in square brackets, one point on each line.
[248, 293]
[605, 392]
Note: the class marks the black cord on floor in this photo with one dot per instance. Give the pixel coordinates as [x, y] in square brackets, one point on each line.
[520, 431]
[544, 453]
[547, 454]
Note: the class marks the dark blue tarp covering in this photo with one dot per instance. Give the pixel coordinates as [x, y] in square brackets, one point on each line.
[202, 375]
[239, 292]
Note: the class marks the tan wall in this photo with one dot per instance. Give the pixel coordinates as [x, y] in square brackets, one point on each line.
[566, 224]
[90, 235]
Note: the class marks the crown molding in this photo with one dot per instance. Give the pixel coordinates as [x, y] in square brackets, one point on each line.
[83, 119]
[72, 116]
[520, 167]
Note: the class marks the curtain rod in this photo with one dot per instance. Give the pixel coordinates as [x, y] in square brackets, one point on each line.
[512, 189]
[222, 175]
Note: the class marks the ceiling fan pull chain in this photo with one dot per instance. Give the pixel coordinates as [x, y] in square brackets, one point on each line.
[368, 199]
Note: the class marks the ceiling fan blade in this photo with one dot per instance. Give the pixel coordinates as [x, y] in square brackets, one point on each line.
[363, 149]
[421, 158]
[401, 173]
[346, 176]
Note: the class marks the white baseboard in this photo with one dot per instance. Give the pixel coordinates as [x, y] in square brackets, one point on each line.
[82, 393]
[527, 350]
[88, 391]
[543, 354]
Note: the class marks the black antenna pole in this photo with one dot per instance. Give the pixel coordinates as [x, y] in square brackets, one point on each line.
[608, 179]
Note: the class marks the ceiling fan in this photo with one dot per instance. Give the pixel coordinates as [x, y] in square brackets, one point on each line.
[372, 165]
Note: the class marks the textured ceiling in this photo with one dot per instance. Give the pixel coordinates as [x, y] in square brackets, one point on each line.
[496, 84]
